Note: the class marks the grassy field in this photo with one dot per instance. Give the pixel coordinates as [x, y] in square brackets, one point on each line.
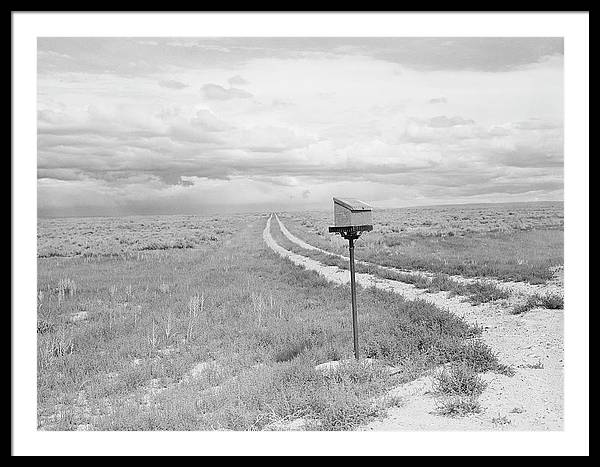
[222, 335]
[520, 242]
[475, 293]
[111, 236]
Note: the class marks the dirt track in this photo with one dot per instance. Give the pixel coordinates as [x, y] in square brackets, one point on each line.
[532, 399]
[516, 288]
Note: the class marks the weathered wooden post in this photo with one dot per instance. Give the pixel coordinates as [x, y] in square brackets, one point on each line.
[351, 218]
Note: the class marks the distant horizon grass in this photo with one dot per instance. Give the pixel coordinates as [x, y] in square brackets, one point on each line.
[131, 235]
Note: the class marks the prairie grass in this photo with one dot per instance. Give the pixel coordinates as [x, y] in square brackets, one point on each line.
[458, 406]
[457, 387]
[474, 293]
[517, 242]
[66, 287]
[501, 420]
[263, 322]
[118, 236]
[539, 365]
[549, 301]
[254, 399]
[458, 380]
[44, 326]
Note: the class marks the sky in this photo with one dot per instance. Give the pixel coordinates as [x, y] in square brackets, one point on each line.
[131, 126]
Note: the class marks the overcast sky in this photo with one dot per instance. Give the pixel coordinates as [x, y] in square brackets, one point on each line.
[196, 125]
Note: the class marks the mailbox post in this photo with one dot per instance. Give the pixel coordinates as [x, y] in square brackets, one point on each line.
[351, 218]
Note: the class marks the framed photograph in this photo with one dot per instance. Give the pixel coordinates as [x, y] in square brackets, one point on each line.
[369, 230]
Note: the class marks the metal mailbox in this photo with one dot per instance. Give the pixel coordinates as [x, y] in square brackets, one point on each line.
[352, 217]
[351, 212]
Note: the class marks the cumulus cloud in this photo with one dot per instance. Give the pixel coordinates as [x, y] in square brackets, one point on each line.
[216, 92]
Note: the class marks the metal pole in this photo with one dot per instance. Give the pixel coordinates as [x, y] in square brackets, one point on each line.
[353, 289]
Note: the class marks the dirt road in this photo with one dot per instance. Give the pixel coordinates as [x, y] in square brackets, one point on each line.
[532, 343]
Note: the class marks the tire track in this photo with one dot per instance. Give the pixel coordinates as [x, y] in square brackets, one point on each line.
[515, 288]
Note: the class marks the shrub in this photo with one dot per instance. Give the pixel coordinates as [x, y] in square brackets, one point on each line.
[520, 309]
[66, 286]
[503, 420]
[481, 358]
[44, 327]
[458, 406]
[458, 380]
[290, 352]
[483, 292]
[549, 301]
[347, 413]
[55, 346]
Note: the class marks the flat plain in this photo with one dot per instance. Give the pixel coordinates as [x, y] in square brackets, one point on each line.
[196, 323]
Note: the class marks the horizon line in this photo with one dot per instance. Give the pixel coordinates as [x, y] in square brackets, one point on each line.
[230, 213]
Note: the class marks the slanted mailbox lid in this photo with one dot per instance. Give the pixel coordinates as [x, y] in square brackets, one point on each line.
[352, 204]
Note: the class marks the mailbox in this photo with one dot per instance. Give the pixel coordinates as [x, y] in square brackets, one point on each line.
[351, 212]
[352, 217]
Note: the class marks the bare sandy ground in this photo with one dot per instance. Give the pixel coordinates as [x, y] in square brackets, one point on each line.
[532, 343]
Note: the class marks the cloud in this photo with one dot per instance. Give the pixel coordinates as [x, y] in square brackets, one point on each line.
[121, 55]
[281, 104]
[537, 124]
[269, 139]
[207, 120]
[216, 92]
[443, 122]
[324, 115]
[198, 44]
[442, 130]
[172, 84]
[118, 144]
[50, 54]
[530, 157]
[165, 151]
[489, 54]
[237, 80]
[498, 131]
[61, 174]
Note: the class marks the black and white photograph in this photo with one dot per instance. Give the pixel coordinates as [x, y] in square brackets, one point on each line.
[310, 232]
